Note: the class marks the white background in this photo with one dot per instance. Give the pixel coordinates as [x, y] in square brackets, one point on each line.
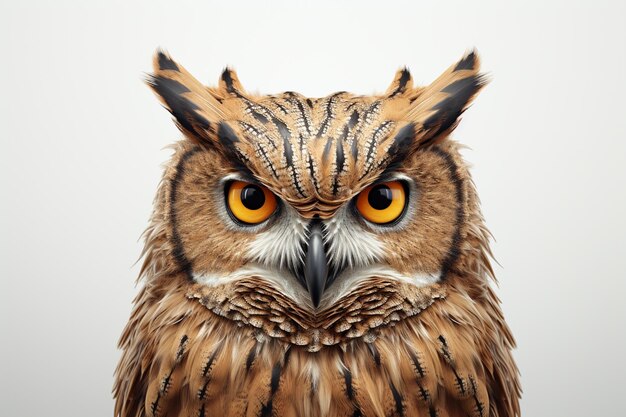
[82, 143]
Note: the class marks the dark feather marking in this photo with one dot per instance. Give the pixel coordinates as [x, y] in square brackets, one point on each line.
[326, 152]
[375, 354]
[345, 132]
[466, 63]
[312, 173]
[259, 116]
[373, 108]
[296, 181]
[206, 372]
[165, 385]
[347, 377]
[301, 143]
[251, 356]
[209, 363]
[201, 411]
[180, 352]
[257, 133]
[424, 394]
[339, 161]
[154, 406]
[283, 130]
[248, 126]
[449, 109]
[402, 82]
[432, 412]
[347, 109]
[370, 156]
[277, 370]
[401, 145]
[227, 135]
[354, 149]
[329, 114]
[165, 63]
[275, 380]
[480, 407]
[373, 141]
[227, 77]
[281, 107]
[202, 391]
[178, 252]
[183, 110]
[288, 152]
[228, 139]
[455, 247]
[416, 363]
[300, 107]
[445, 350]
[370, 110]
[253, 107]
[340, 157]
[354, 118]
[267, 159]
[397, 398]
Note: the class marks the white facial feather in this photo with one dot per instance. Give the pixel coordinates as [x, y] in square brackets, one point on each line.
[282, 280]
[288, 285]
[352, 277]
[280, 246]
[349, 245]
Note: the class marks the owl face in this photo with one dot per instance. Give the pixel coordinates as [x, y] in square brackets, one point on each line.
[312, 211]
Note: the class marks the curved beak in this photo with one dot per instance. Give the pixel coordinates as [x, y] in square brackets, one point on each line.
[315, 264]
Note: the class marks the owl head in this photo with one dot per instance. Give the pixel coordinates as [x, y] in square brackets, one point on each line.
[317, 220]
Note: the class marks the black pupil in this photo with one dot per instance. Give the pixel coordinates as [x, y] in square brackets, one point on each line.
[380, 197]
[252, 197]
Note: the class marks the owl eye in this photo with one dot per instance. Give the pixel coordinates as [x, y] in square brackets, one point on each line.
[382, 203]
[250, 203]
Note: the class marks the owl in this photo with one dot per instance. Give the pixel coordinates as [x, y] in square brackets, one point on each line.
[316, 257]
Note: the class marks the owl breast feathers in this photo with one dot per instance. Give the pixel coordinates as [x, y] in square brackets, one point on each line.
[316, 257]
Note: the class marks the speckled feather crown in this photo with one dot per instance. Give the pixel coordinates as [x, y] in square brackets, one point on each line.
[316, 152]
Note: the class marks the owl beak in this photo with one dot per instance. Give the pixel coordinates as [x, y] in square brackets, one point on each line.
[315, 264]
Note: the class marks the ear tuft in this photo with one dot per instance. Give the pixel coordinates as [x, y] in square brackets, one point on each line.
[469, 62]
[165, 62]
[447, 111]
[229, 82]
[437, 108]
[184, 110]
[195, 110]
[401, 83]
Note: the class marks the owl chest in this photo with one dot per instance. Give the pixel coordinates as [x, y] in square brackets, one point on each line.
[240, 376]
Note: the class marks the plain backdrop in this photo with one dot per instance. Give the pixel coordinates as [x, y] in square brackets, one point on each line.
[83, 142]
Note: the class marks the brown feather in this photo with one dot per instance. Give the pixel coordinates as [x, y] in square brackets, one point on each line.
[243, 347]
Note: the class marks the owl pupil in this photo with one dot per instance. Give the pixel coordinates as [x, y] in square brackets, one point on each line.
[252, 197]
[380, 197]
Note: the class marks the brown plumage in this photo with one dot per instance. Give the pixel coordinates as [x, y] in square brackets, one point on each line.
[407, 325]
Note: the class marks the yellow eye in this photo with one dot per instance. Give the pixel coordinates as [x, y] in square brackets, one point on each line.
[250, 203]
[382, 203]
